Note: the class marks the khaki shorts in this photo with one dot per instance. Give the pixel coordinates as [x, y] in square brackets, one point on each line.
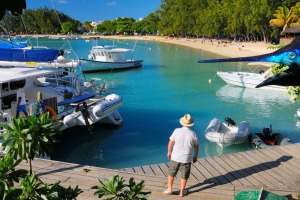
[185, 169]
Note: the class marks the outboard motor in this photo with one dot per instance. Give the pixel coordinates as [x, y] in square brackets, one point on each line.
[84, 109]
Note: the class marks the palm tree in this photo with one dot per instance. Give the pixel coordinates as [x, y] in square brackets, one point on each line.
[285, 17]
[29, 137]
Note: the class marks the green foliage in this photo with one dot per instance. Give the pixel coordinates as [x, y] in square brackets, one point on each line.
[8, 173]
[30, 186]
[277, 46]
[42, 20]
[294, 91]
[116, 189]
[68, 27]
[29, 137]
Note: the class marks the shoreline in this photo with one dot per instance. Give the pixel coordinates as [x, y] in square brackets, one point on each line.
[226, 50]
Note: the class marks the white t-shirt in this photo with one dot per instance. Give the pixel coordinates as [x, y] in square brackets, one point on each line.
[21, 93]
[185, 140]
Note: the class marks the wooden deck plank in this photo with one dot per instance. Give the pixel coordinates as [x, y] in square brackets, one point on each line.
[139, 170]
[208, 177]
[292, 167]
[147, 169]
[128, 169]
[254, 167]
[293, 150]
[290, 151]
[221, 169]
[239, 167]
[157, 171]
[217, 175]
[256, 172]
[295, 162]
[228, 166]
[287, 176]
[265, 168]
[275, 168]
[164, 168]
[197, 173]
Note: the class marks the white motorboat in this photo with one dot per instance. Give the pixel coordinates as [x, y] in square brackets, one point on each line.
[249, 79]
[103, 58]
[225, 134]
[69, 98]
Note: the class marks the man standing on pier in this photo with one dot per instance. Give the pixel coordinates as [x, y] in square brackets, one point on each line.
[182, 142]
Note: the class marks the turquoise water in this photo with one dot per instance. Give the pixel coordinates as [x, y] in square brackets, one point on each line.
[169, 84]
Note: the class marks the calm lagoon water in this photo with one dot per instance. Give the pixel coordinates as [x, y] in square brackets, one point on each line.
[169, 85]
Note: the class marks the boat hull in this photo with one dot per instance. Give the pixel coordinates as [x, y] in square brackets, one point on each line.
[89, 66]
[258, 140]
[29, 54]
[247, 80]
[225, 135]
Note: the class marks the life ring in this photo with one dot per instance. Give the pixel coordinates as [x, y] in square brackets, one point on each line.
[51, 111]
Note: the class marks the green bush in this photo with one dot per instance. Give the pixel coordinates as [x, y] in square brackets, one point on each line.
[116, 189]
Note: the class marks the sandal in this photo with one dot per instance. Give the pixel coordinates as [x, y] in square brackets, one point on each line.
[167, 192]
[185, 192]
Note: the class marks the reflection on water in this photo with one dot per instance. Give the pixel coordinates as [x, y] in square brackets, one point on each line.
[212, 149]
[233, 93]
[256, 102]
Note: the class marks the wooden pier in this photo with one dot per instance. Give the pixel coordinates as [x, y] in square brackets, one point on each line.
[276, 169]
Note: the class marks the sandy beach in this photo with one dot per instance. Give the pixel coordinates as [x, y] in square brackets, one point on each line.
[228, 50]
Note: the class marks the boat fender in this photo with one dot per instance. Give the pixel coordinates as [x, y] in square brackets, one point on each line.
[98, 109]
[112, 97]
[51, 111]
[69, 121]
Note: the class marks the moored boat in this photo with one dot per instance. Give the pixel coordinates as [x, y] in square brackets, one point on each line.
[20, 52]
[248, 79]
[65, 94]
[267, 139]
[227, 134]
[103, 58]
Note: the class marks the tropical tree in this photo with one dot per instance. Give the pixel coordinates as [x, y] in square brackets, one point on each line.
[68, 27]
[285, 17]
[107, 27]
[124, 25]
[88, 26]
[29, 137]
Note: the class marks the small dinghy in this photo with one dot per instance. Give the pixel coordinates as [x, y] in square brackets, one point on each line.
[267, 139]
[227, 134]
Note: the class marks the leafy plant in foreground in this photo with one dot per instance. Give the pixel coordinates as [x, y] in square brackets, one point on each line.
[116, 189]
[29, 137]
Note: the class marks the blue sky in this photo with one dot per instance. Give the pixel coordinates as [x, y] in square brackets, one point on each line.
[99, 10]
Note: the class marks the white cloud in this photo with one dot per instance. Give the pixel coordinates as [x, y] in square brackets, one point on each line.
[112, 3]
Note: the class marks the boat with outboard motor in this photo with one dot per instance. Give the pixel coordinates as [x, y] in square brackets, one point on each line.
[227, 134]
[103, 58]
[250, 79]
[267, 139]
[65, 94]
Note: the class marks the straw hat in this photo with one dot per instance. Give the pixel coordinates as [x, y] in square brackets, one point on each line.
[186, 120]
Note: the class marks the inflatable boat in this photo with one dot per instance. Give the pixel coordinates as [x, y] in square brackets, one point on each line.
[227, 134]
[267, 139]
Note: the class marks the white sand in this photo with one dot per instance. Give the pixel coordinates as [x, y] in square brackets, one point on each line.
[230, 50]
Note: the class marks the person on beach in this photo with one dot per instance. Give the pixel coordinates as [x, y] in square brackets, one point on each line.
[182, 142]
[21, 102]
